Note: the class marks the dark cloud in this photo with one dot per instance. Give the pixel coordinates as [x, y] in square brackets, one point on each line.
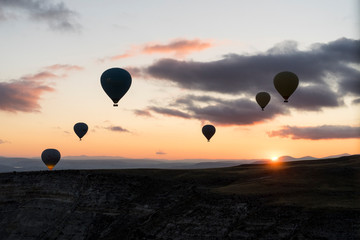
[170, 112]
[314, 97]
[117, 129]
[350, 82]
[326, 72]
[240, 111]
[57, 15]
[234, 112]
[356, 101]
[2, 15]
[145, 113]
[317, 133]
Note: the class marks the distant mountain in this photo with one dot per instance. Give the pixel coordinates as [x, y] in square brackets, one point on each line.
[106, 162]
[289, 158]
[81, 162]
[219, 164]
[339, 155]
[85, 157]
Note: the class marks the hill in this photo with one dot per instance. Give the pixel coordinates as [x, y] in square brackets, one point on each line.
[313, 199]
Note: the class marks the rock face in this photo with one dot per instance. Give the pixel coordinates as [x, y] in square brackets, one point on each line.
[118, 205]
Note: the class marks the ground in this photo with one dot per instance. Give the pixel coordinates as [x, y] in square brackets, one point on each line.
[317, 199]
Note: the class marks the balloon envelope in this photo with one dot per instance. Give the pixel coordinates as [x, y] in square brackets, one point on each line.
[115, 82]
[208, 131]
[80, 129]
[50, 157]
[263, 98]
[286, 84]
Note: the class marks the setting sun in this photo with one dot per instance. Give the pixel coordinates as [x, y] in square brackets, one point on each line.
[274, 159]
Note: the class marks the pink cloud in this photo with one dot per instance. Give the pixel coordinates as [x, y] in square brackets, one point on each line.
[64, 67]
[40, 76]
[179, 47]
[121, 56]
[22, 95]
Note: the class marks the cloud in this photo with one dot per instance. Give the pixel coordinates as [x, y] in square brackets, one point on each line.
[2, 15]
[326, 72]
[239, 111]
[121, 56]
[317, 133]
[160, 153]
[24, 94]
[356, 101]
[2, 141]
[136, 72]
[313, 97]
[178, 47]
[40, 76]
[117, 129]
[57, 15]
[170, 112]
[64, 67]
[144, 113]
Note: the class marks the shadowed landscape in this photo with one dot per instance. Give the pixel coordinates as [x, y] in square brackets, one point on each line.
[313, 199]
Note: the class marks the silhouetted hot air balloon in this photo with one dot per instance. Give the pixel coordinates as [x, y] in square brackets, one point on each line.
[50, 157]
[115, 82]
[80, 129]
[208, 131]
[263, 98]
[286, 84]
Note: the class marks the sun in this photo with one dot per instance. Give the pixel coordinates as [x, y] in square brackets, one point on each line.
[274, 159]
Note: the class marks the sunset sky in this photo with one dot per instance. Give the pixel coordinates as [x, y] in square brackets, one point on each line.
[192, 63]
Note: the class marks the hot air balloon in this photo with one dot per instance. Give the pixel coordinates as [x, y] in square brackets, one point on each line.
[208, 131]
[80, 129]
[115, 82]
[50, 157]
[263, 98]
[286, 84]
